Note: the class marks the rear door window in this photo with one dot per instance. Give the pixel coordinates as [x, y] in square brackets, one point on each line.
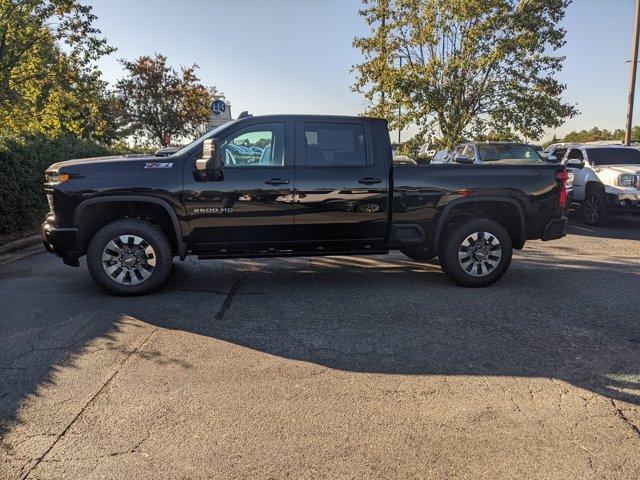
[335, 145]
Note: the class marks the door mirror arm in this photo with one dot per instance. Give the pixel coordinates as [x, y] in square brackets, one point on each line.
[209, 167]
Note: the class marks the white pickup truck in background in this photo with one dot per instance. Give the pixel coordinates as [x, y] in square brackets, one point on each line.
[606, 180]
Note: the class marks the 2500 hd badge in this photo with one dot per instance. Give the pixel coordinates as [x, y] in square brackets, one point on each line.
[212, 210]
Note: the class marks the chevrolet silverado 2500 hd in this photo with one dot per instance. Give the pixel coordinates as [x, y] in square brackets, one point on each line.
[294, 185]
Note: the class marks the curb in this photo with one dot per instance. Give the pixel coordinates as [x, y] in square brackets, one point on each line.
[20, 244]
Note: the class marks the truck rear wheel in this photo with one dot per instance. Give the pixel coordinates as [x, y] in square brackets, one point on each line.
[129, 257]
[476, 253]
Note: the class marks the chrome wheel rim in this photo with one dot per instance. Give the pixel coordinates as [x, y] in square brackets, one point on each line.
[128, 259]
[480, 254]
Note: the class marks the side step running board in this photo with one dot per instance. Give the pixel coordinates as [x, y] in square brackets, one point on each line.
[290, 253]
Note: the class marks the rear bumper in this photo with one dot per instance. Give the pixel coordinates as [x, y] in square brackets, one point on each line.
[554, 229]
[60, 240]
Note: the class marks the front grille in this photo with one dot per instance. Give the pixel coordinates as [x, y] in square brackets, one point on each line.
[638, 181]
[50, 201]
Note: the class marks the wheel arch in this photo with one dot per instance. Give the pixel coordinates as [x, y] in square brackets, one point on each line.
[94, 213]
[512, 218]
[593, 186]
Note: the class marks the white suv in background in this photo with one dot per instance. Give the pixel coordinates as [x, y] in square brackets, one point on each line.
[606, 180]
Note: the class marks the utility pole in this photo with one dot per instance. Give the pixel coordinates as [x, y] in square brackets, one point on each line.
[384, 31]
[400, 105]
[632, 76]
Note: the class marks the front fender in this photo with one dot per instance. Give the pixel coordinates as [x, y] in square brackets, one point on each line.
[178, 231]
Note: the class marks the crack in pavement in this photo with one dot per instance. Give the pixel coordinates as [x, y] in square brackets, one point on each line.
[229, 299]
[40, 330]
[91, 400]
[133, 449]
[624, 418]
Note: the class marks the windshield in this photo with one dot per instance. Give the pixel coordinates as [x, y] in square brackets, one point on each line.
[198, 141]
[494, 152]
[614, 156]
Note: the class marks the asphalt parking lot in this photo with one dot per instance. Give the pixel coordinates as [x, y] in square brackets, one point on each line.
[356, 367]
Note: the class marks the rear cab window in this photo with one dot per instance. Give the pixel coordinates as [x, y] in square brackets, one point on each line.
[496, 152]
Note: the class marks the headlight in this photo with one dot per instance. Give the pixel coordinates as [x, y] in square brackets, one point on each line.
[626, 180]
[55, 177]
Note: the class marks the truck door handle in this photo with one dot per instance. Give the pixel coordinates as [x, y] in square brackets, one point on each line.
[369, 180]
[277, 181]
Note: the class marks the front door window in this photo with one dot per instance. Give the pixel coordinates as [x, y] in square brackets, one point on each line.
[257, 146]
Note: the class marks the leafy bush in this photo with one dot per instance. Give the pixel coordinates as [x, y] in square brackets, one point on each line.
[22, 166]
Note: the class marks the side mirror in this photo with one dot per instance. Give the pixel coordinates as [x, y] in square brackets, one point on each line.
[575, 163]
[211, 160]
[463, 159]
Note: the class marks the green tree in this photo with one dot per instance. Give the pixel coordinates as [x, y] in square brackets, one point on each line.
[595, 134]
[464, 67]
[49, 83]
[158, 101]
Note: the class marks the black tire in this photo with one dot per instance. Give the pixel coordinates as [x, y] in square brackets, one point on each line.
[153, 240]
[491, 256]
[423, 254]
[594, 209]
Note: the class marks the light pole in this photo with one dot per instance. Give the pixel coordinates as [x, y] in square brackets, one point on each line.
[632, 76]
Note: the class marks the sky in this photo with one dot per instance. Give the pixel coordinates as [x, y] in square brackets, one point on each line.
[295, 56]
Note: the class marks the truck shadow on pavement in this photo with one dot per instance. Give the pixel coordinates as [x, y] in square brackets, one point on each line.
[353, 314]
[571, 319]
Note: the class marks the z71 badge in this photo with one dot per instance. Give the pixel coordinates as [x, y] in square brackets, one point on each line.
[158, 165]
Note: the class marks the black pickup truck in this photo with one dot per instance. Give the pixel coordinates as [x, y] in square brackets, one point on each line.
[294, 185]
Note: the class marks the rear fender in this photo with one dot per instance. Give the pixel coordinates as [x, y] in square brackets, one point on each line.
[521, 234]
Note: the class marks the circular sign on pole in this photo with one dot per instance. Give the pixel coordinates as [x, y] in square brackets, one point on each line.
[218, 107]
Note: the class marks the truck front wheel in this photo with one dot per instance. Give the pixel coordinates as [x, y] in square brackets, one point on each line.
[476, 253]
[594, 208]
[129, 257]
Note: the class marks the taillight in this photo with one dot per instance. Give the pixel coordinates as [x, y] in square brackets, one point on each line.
[562, 197]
